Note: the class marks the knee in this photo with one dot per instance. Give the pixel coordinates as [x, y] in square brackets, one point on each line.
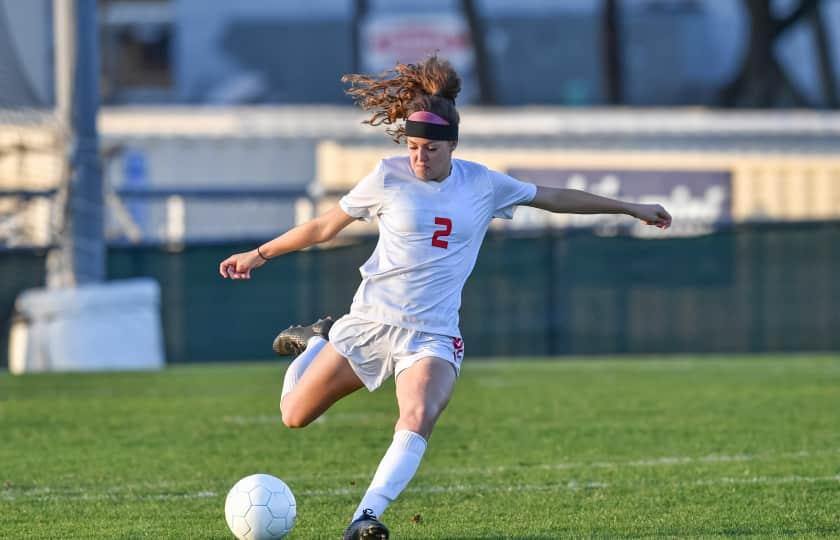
[418, 419]
[294, 421]
[291, 415]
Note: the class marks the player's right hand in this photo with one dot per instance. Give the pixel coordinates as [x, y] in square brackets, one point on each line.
[239, 265]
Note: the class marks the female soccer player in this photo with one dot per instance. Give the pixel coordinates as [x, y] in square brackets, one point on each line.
[433, 212]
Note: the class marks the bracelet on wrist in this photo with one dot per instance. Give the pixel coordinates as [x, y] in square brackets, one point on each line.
[263, 257]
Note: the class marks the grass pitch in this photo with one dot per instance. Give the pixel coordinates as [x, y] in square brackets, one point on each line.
[746, 447]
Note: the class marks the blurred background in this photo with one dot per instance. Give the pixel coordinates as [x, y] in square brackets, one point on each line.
[181, 131]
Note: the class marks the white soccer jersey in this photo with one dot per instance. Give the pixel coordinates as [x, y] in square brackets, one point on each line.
[429, 237]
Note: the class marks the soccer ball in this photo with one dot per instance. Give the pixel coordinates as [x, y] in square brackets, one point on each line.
[260, 507]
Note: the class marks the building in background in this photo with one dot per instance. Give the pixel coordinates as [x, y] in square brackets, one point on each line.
[677, 52]
[668, 52]
[26, 64]
[194, 181]
[184, 173]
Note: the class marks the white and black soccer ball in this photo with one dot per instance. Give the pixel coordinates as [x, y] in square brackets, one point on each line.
[260, 507]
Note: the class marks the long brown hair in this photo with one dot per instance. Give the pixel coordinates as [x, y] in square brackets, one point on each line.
[431, 85]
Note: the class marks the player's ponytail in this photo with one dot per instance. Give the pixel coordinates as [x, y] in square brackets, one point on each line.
[431, 85]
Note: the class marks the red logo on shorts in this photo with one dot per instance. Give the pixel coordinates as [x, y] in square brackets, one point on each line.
[458, 346]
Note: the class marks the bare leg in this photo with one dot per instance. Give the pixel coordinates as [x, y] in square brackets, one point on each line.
[328, 379]
[423, 390]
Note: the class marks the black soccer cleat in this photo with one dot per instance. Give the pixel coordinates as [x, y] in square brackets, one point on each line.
[292, 341]
[366, 527]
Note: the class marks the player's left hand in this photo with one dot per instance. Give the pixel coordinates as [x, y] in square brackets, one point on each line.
[652, 214]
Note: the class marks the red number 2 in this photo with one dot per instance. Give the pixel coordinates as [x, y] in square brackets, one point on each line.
[446, 231]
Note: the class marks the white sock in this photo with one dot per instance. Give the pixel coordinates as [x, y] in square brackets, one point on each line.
[295, 370]
[394, 472]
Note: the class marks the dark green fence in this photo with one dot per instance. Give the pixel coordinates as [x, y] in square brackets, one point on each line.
[753, 288]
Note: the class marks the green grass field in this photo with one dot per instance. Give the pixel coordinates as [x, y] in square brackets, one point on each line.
[745, 447]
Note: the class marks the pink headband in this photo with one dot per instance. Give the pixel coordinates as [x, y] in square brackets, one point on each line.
[427, 117]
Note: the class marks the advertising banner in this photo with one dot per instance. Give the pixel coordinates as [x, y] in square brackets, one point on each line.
[408, 38]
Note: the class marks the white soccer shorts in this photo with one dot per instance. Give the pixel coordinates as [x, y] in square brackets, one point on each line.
[376, 350]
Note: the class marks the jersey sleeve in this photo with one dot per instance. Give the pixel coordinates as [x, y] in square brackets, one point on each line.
[365, 199]
[509, 192]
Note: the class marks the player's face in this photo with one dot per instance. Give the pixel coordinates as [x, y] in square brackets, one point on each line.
[430, 160]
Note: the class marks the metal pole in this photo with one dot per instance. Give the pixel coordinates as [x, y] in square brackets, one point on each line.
[612, 51]
[80, 256]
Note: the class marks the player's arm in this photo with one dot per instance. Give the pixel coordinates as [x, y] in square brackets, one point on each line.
[575, 201]
[320, 229]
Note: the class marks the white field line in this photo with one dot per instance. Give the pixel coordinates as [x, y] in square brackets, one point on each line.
[274, 419]
[768, 480]
[644, 462]
[252, 420]
[574, 486]
[57, 494]
[115, 493]
[119, 493]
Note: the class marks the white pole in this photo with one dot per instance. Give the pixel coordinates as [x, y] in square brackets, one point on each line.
[64, 36]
